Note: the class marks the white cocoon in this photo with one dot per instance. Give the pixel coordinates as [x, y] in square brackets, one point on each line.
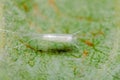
[58, 37]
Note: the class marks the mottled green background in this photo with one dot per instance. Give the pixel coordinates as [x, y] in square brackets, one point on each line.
[98, 55]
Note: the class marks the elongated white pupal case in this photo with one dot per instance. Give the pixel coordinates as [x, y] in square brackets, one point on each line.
[58, 37]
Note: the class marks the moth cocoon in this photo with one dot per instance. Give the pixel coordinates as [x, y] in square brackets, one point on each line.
[58, 37]
[52, 41]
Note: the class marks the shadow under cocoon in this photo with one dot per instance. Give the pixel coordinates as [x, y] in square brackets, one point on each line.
[60, 50]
